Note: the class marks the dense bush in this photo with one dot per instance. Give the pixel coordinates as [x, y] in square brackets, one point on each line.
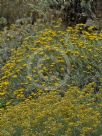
[78, 113]
[50, 80]
[49, 59]
[71, 11]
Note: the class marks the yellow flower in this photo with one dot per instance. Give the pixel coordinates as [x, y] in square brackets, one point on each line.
[89, 67]
[15, 76]
[29, 78]
[2, 93]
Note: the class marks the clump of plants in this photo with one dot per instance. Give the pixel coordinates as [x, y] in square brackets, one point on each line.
[50, 60]
[70, 11]
[51, 79]
[77, 113]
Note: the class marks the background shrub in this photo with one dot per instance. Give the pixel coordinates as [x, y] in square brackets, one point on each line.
[13, 10]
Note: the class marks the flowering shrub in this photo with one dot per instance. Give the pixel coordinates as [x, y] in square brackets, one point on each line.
[77, 113]
[50, 81]
[49, 60]
[12, 38]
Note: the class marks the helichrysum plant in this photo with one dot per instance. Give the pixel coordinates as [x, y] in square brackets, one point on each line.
[77, 113]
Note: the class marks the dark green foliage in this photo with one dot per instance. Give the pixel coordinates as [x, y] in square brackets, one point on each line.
[71, 11]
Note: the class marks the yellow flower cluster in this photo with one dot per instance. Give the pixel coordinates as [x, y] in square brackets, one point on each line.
[38, 62]
[77, 113]
[82, 48]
